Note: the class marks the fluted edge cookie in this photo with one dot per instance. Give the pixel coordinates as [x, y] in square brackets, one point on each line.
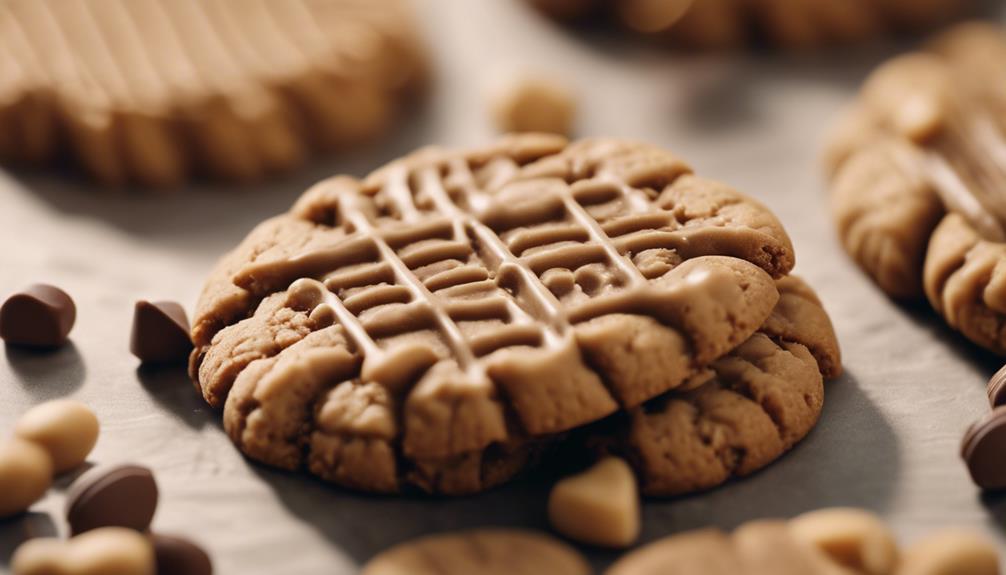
[152, 92]
[916, 172]
[436, 323]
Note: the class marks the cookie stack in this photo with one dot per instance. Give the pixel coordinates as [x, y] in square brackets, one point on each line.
[442, 322]
[917, 170]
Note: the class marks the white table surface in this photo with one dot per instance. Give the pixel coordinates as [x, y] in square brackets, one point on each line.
[888, 439]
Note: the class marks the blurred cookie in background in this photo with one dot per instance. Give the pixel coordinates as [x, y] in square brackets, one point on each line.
[917, 168]
[151, 93]
[724, 24]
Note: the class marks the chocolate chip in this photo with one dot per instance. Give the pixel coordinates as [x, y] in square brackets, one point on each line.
[119, 496]
[40, 316]
[160, 332]
[982, 449]
[997, 388]
[180, 556]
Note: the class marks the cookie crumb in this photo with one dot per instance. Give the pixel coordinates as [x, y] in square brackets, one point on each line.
[535, 105]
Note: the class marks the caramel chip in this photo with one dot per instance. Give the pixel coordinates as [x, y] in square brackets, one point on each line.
[67, 429]
[119, 496]
[996, 388]
[40, 316]
[535, 106]
[180, 556]
[982, 448]
[599, 506]
[160, 332]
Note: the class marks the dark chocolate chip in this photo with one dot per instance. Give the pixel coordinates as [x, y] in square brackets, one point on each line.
[40, 316]
[982, 449]
[160, 332]
[117, 496]
[180, 556]
[997, 388]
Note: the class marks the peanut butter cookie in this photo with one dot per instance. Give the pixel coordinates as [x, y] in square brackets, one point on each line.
[439, 322]
[917, 171]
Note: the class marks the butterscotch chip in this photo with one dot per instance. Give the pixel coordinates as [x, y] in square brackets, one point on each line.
[107, 551]
[917, 179]
[487, 551]
[438, 322]
[755, 548]
[951, 553]
[67, 429]
[599, 506]
[708, 551]
[768, 546]
[853, 538]
[535, 106]
[717, 24]
[25, 475]
[152, 92]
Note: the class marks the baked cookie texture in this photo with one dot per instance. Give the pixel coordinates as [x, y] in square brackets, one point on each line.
[152, 92]
[797, 24]
[446, 319]
[917, 170]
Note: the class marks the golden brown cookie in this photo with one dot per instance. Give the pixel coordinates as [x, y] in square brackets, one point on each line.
[744, 411]
[151, 92]
[718, 24]
[917, 170]
[436, 323]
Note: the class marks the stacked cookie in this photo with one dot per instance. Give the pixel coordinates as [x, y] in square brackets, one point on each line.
[453, 315]
[150, 92]
[917, 172]
[712, 24]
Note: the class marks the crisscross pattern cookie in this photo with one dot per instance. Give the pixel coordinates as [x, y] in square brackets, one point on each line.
[152, 91]
[918, 167]
[439, 322]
